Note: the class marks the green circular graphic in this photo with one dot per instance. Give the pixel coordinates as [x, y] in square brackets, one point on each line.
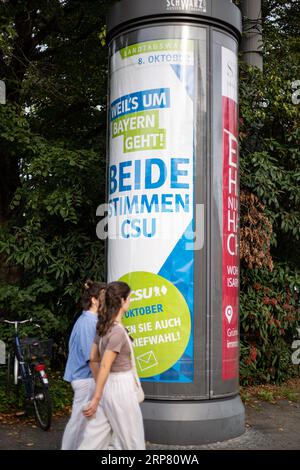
[159, 321]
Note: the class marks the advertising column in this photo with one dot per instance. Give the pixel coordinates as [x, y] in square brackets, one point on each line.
[151, 201]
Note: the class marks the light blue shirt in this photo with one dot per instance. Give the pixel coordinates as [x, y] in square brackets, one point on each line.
[80, 344]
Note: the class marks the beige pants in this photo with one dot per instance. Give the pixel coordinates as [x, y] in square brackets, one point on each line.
[119, 411]
[73, 435]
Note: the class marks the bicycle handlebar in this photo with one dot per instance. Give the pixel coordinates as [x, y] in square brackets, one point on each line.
[3, 320]
[19, 322]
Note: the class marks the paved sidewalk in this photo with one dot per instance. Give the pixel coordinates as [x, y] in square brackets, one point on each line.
[269, 426]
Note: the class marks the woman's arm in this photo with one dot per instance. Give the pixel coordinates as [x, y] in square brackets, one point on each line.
[94, 361]
[105, 366]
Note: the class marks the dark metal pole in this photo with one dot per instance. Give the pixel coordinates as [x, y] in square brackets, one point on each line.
[2, 92]
[252, 40]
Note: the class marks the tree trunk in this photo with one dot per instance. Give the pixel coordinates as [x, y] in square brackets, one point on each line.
[9, 182]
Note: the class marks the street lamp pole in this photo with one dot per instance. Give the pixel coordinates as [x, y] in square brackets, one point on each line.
[2, 92]
[252, 39]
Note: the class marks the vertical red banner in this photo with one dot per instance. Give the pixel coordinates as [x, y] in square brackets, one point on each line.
[230, 301]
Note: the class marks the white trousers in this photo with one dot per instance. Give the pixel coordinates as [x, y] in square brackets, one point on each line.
[118, 411]
[73, 435]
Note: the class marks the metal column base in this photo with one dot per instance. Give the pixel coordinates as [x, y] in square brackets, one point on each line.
[193, 423]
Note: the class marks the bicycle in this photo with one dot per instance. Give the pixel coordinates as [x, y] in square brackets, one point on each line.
[26, 364]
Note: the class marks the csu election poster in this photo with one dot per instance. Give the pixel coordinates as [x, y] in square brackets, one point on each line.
[151, 205]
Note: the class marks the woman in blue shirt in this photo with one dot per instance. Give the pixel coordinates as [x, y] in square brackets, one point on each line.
[78, 371]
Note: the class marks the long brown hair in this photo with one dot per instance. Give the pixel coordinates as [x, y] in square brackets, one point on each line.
[91, 289]
[110, 304]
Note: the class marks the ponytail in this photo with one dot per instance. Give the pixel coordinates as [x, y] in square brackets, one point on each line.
[91, 289]
[109, 308]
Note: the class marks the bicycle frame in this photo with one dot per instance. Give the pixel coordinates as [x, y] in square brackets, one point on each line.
[25, 367]
[34, 378]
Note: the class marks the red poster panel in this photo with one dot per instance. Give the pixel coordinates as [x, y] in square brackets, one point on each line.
[230, 302]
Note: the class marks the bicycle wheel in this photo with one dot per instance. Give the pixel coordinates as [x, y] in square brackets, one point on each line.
[41, 402]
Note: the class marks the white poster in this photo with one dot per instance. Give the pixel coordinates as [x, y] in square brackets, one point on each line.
[151, 185]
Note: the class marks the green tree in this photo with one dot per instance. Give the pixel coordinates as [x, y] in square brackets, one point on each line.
[270, 204]
[52, 155]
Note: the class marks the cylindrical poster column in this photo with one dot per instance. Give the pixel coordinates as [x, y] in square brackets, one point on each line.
[173, 209]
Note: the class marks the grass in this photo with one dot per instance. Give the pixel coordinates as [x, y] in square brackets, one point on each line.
[245, 395]
[290, 395]
[290, 391]
[266, 395]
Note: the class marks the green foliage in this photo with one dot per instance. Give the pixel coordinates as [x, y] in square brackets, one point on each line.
[14, 400]
[270, 149]
[61, 392]
[53, 129]
[51, 237]
[269, 319]
[270, 156]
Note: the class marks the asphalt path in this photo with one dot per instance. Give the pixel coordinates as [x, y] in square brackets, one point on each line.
[268, 427]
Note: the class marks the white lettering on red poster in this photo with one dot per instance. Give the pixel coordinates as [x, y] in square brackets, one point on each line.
[230, 274]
